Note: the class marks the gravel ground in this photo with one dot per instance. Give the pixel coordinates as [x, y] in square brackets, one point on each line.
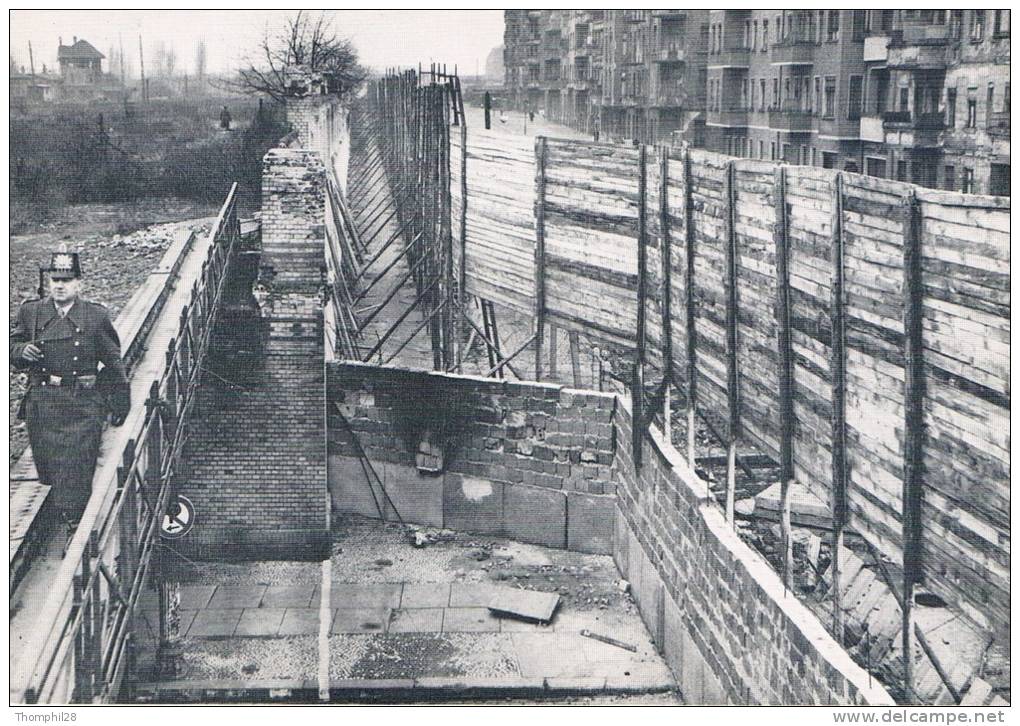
[249, 658]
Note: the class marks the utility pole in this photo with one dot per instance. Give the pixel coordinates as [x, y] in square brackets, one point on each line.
[123, 78]
[31, 60]
[141, 61]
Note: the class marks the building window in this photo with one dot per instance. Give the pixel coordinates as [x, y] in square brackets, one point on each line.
[858, 28]
[977, 25]
[832, 31]
[765, 35]
[814, 156]
[856, 97]
[1001, 26]
[989, 104]
[818, 94]
[1005, 99]
[761, 101]
[773, 151]
[951, 108]
[971, 113]
[901, 171]
[828, 160]
[761, 149]
[743, 93]
[967, 183]
[904, 100]
[998, 181]
[875, 167]
[775, 93]
[830, 97]
[788, 154]
[754, 36]
[950, 178]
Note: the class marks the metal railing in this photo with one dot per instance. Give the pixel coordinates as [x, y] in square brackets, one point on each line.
[78, 651]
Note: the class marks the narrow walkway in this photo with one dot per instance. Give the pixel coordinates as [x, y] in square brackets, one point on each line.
[404, 619]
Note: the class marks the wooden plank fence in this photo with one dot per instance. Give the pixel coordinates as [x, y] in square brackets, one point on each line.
[792, 294]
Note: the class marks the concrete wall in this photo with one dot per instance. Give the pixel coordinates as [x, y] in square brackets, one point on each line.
[322, 125]
[528, 461]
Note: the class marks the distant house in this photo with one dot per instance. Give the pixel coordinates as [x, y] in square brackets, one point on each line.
[26, 88]
[80, 62]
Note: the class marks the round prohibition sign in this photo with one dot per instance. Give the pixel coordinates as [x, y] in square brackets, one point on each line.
[179, 520]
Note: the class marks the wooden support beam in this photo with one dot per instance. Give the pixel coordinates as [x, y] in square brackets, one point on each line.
[837, 372]
[665, 259]
[692, 338]
[637, 388]
[462, 272]
[913, 437]
[553, 371]
[732, 320]
[540, 155]
[780, 236]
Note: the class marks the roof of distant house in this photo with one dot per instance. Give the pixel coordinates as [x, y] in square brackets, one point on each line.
[81, 50]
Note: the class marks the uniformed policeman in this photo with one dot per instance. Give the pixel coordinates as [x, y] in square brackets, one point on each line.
[60, 340]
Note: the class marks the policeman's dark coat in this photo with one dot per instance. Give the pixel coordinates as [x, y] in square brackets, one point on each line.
[65, 422]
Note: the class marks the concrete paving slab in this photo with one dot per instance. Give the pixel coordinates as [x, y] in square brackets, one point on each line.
[187, 618]
[259, 623]
[471, 594]
[550, 655]
[289, 596]
[425, 595]
[417, 620]
[512, 625]
[215, 623]
[237, 596]
[360, 620]
[196, 597]
[470, 620]
[365, 595]
[299, 621]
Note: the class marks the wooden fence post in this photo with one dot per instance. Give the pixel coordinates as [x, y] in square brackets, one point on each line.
[733, 404]
[837, 372]
[637, 389]
[540, 255]
[665, 255]
[785, 345]
[692, 356]
[913, 438]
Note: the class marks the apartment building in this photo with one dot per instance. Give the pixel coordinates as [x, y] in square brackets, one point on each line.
[624, 74]
[916, 95]
[937, 102]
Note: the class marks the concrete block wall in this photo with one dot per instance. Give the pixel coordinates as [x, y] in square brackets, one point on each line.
[717, 610]
[530, 461]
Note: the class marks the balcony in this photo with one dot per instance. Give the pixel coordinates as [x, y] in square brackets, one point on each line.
[731, 57]
[998, 125]
[730, 116]
[876, 48]
[670, 52]
[920, 34]
[920, 57]
[921, 121]
[671, 96]
[791, 121]
[634, 16]
[669, 14]
[793, 53]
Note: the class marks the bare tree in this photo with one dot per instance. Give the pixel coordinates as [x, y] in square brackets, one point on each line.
[303, 43]
[200, 59]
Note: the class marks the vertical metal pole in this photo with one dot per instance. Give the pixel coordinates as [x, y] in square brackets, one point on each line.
[540, 152]
[732, 382]
[553, 372]
[913, 443]
[575, 357]
[785, 346]
[837, 366]
[637, 390]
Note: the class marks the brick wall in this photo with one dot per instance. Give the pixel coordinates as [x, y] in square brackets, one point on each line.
[256, 458]
[715, 608]
[519, 457]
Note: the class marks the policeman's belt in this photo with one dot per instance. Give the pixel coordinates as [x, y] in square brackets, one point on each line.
[83, 381]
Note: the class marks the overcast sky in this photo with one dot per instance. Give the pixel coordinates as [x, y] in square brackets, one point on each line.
[383, 37]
